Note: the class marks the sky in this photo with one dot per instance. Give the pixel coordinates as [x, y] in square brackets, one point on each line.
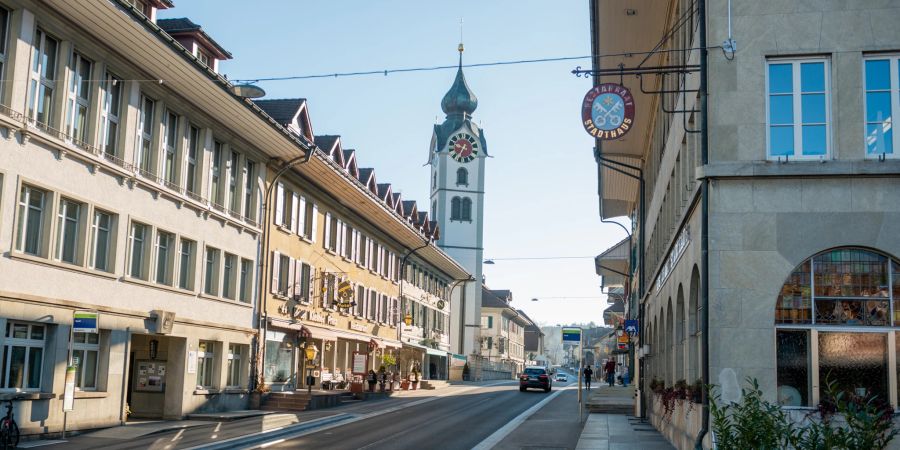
[541, 184]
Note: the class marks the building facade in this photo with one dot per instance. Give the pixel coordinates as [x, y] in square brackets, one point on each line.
[763, 246]
[124, 197]
[533, 340]
[341, 278]
[502, 335]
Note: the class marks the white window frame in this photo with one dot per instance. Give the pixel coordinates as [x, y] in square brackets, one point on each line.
[234, 376]
[170, 148]
[211, 271]
[40, 83]
[78, 102]
[110, 230]
[893, 61]
[145, 250]
[206, 359]
[194, 161]
[111, 111]
[84, 348]
[164, 253]
[797, 98]
[215, 173]
[245, 281]
[62, 218]
[29, 344]
[230, 280]
[143, 154]
[186, 263]
[24, 213]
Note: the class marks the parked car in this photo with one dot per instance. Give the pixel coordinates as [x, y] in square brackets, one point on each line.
[535, 377]
[562, 377]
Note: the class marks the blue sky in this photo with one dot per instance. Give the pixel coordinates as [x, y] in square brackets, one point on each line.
[541, 182]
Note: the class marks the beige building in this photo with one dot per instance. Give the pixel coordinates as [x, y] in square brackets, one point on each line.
[130, 181]
[334, 228]
[502, 335]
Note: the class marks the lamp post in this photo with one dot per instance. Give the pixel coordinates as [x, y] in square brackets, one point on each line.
[311, 352]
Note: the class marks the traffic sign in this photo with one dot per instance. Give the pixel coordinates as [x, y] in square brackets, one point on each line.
[571, 335]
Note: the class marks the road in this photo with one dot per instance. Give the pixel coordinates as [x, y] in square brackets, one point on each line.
[459, 422]
[458, 417]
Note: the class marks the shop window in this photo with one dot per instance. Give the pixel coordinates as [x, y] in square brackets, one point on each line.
[205, 364]
[831, 318]
[86, 358]
[279, 358]
[23, 356]
[235, 365]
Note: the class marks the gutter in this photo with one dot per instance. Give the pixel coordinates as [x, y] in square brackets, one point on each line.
[704, 224]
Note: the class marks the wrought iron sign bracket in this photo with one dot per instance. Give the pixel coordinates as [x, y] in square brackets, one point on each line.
[621, 71]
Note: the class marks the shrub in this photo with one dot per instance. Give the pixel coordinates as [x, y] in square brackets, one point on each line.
[752, 423]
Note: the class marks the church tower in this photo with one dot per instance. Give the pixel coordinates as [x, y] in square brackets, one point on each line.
[457, 156]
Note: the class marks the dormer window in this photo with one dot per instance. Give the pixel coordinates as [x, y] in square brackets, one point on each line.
[192, 37]
[204, 58]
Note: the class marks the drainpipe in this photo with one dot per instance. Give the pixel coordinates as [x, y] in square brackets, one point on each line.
[262, 314]
[704, 224]
[399, 316]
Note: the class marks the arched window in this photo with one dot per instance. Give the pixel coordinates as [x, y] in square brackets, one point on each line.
[434, 180]
[680, 336]
[837, 309]
[434, 208]
[454, 209]
[694, 326]
[466, 210]
[462, 177]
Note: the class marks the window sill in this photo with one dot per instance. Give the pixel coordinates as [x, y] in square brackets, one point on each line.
[153, 285]
[91, 394]
[27, 396]
[207, 391]
[283, 229]
[60, 265]
[235, 390]
[225, 300]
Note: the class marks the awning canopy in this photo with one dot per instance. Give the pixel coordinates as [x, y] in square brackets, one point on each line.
[619, 193]
[612, 265]
[436, 352]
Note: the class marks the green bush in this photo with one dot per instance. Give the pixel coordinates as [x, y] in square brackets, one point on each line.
[753, 423]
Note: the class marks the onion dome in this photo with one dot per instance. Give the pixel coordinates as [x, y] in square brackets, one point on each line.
[459, 99]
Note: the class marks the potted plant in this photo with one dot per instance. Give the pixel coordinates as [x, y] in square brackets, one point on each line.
[257, 393]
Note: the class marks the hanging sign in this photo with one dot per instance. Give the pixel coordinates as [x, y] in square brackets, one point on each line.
[85, 321]
[607, 111]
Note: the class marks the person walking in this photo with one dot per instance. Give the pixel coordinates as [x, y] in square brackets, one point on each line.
[588, 374]
[610, 369]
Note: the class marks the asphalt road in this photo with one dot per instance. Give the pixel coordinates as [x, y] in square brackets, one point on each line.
[458, 422]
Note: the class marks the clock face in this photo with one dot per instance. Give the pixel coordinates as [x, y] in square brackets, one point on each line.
[462, 147]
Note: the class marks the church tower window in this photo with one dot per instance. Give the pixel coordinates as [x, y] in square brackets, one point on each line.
[455, 209]
[466, 209]
[462, 177]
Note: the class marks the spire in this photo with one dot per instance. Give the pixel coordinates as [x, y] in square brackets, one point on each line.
[459, 99]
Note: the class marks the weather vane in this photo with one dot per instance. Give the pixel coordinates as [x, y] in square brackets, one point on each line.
[461, 35]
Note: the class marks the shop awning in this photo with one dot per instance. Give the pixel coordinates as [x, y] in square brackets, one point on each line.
[618, 192]
[612, 265]
[330, 334]
[436, 352]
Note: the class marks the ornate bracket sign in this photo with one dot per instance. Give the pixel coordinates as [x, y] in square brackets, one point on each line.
[607, 111]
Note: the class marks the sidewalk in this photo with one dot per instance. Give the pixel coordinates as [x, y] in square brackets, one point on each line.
[611, 425]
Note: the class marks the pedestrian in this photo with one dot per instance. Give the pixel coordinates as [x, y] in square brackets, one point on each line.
[610, 368]
[372, 379]
[588, 374]
[625, 376]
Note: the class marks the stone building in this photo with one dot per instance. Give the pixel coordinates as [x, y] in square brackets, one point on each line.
[130, 181]
[762, 188]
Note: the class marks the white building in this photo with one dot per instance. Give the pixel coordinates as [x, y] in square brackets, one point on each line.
[502, 335]
[129, 186]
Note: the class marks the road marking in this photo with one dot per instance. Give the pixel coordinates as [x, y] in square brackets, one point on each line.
[504, 431]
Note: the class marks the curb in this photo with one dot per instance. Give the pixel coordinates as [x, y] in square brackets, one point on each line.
[275, 433]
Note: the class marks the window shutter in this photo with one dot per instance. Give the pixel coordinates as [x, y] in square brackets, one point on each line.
[295, 203]
[279, 203]
[355, 246]
[391, 266]
[292, 270]
[312, 284]
[276, 259]
[342, 237]
[301, 218]
[327, 241]
[298, 278]
[315, 222]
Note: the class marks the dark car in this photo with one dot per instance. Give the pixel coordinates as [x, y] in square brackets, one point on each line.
[535, 377]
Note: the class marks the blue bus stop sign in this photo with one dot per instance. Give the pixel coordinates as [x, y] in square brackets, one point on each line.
[571, 335]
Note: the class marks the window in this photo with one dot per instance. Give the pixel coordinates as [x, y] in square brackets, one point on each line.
[235, 356]
[333, 233]
[140, 233]
[193, 153]
[305, 277]
[363, 246]
[229, 278]
[233, 172]
[145, 137]
[373, 305]
[186, 264]
[171, 144]
[112, 104]
[462, 177]
[284, 269]
[329, 290]
[43, 78]
[86, 357]
[211, 280]
[881, 100]
[215, 171]
[204, 58]
[833, 320]
[165, 257]
[384, 309]
[4, 27]
[347, 240]
[466, 209]
[205, 364]
[249, 182]
[360, 301]
[67, 231]
[23, 356]
[101, 238]
[288, 209]
[798, 108]
[30, 232]
[78, 98]
[246, 281]
[455, 205]
[309, 221]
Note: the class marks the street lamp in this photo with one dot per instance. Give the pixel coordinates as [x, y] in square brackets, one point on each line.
[311, 352]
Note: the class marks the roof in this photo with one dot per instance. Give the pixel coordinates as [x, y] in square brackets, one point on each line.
[183, 26]
[365, 173]
[530, 322]
[612, 265]
[284, 110]
[490, 300]
[459, 99]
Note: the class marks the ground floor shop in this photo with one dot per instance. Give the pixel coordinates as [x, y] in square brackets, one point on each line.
[153, 365]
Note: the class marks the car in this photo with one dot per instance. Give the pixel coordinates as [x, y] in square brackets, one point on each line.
[535, 377]
[561, 377]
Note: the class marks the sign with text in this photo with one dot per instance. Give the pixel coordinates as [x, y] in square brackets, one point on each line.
[607, 111]
[69, 395]
[85, 321]
[571, 335]
[360, 363]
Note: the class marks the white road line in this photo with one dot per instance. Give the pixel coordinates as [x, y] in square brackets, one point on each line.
[504, 431]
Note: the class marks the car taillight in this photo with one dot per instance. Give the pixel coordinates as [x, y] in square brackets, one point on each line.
[542, 377]
[524, 377]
